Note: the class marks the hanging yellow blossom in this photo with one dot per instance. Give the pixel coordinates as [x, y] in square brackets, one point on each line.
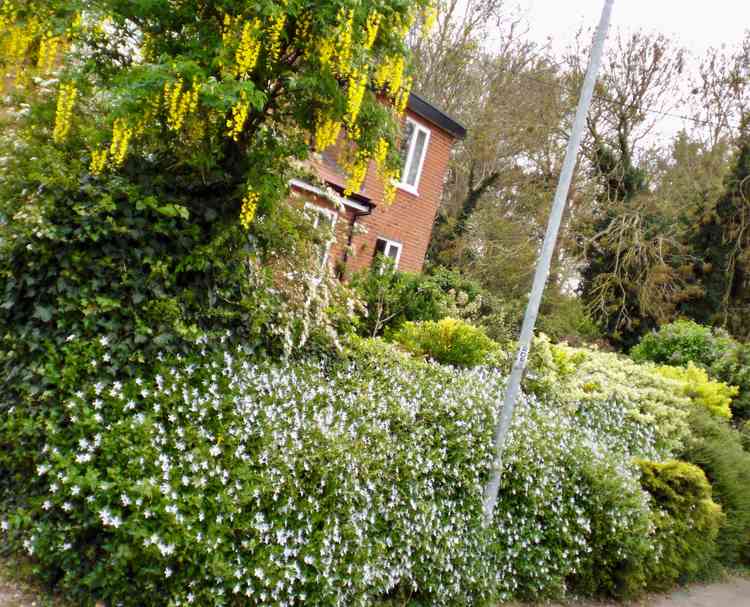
[356, 171]
[8, 14]
[390, 179]
[390, 73]
[354, 96]
[239, 116]
[98, 161]
[63, 115]
[326, 49]
[381, 152]
[248, 49]
[49, 47]
[180, 103]
[402, 99]
[121, 136]
[274, 36]
[371, 29]
[344, 42]
[248, 209]
[326, 133]
[17, 40]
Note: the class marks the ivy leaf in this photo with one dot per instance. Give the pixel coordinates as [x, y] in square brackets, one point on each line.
[43, 313]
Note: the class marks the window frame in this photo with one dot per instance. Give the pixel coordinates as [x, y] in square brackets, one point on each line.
[333, 216]
[388, 243]
[414, 189]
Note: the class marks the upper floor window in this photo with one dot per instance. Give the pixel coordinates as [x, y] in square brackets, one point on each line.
[413, 152]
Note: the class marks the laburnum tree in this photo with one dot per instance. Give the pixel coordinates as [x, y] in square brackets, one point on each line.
[146, 147]
[153, 143]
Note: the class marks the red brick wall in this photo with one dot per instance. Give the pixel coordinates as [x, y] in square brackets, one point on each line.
[408, 220]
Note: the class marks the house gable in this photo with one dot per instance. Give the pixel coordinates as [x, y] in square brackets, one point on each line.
[406, 224]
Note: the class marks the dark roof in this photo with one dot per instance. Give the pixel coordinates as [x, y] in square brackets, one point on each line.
[429, 112]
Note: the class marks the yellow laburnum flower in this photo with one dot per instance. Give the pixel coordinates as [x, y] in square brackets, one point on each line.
[326, 133]
[64, 112]
[239, 116]
[49, 46]
[371, 29]
[344, 42]
[390, 179]
[326, 50]
[390, 74]
[356, 171]
[98, 161]
[121, 136]
[248, 209]
[354, 96]
[274, 36]
[402, 99]
[381, 152]
[248, 50]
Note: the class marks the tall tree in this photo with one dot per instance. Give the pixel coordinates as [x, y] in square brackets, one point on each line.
[631, 261]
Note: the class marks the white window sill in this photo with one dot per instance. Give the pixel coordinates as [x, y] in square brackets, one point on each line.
[408, 188]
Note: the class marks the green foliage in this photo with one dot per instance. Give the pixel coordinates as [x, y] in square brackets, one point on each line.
[722, 243]
[448, 341]
[565, 318]
[392, 298]
[687, 521]
[715, 396]
[685, 341]
[645, 414]
[717, 448]
[680, 343]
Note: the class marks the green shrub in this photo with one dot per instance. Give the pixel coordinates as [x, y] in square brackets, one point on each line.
[392, 297]
[219, 475]
[717, 448]
[694, 382]
[632, 404]
[745, 433]
[687, 521]
[565, 318]
[679, 343]
[447, 341]
[684, 341]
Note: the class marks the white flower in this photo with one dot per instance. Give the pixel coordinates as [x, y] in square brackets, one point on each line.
[167, 572]
[47, 505]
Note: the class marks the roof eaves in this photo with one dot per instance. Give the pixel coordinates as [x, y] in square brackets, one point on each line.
[439, 118]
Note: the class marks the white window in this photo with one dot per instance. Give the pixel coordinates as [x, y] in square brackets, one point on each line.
[390, 249]
[413, 152]
[325, 219]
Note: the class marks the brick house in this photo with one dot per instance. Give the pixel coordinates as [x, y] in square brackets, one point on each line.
[363, 225]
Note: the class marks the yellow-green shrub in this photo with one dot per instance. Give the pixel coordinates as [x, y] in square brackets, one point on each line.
[694, 383]
[686, 517]
[448, 341]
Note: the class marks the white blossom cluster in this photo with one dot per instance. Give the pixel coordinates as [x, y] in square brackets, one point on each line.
[224, 479]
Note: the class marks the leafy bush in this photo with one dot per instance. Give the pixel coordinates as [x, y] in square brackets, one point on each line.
[717, 448]
[392, 298]
[679, 343]
[687, 521]
[448, 341]
[694, 382]
[685, 341]
[565, 318]
[218, 475]
[633, 404]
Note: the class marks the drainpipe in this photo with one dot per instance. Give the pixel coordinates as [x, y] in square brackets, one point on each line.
[355, 215]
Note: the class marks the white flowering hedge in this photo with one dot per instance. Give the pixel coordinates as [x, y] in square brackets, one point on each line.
[223, 479]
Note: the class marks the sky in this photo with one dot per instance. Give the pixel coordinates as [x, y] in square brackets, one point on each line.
[696, 23]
